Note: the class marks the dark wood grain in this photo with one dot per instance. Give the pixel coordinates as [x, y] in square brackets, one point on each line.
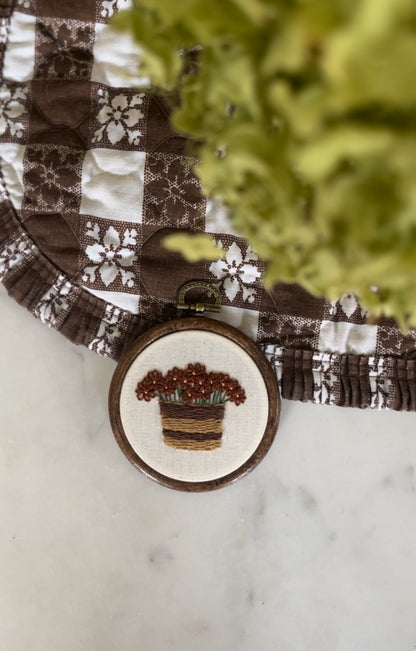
[207, 325]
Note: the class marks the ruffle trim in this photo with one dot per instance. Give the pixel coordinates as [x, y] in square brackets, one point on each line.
[34, 282]
[382, 382]
[323, 378]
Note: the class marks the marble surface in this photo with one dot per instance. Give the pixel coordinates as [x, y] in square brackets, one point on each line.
[314, 551]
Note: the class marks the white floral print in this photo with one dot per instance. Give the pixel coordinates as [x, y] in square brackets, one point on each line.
[14, 253]
[111, 6]
[237, 273]
[118, 117]
[11, 108]
[4, 30]
[108, 333]
[348, 304]
[110, 255]
[54, 305]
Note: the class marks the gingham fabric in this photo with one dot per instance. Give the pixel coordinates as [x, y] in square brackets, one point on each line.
[93, 178]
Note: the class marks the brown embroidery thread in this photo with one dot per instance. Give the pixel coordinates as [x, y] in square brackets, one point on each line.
[192, 404]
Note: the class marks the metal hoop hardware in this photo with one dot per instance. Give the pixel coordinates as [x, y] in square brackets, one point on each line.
[199, 307]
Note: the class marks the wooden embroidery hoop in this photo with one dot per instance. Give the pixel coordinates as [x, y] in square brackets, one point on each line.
[195, 323]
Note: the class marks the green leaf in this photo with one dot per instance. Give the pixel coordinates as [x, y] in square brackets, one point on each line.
[193, 247]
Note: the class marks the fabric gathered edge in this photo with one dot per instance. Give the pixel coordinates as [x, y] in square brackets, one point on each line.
[363, 381]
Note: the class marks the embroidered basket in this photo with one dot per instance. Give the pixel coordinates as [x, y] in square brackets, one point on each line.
[191, 427]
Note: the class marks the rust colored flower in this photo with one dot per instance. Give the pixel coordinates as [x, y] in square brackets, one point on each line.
[145, 392]
[173, 379]
[202, 381]
[189, 394]
[195, 370]
[232, 384]
[237, 396]
[196, 384]
[151, 384]
[155, 380]
[219, 381]
[202, 389]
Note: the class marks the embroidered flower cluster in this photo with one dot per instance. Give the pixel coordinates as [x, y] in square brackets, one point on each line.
[192, 385]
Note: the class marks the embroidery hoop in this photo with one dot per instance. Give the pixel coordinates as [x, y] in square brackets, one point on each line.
[162, 333]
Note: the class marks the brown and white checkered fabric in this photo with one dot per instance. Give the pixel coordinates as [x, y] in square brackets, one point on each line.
[93, 178]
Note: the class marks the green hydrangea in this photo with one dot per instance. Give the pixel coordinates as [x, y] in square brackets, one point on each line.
[306, 111]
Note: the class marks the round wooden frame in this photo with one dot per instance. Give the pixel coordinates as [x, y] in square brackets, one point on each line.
[203, 324]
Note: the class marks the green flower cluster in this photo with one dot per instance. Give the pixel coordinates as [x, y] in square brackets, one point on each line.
[305, 111]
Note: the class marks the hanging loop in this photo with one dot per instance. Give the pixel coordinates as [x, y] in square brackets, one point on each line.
[199, 307]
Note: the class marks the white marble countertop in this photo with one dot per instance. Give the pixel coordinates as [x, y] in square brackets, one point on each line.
[314, 551]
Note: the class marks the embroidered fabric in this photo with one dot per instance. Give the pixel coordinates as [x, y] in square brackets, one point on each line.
[93, 178]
